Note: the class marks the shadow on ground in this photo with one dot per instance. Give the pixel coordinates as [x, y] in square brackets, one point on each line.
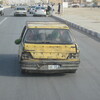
[9, 66]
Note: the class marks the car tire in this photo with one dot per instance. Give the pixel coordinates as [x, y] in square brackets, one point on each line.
[34, 15]
[23, 71]
[2, 14]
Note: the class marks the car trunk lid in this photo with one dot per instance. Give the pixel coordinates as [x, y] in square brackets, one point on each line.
[50, 51]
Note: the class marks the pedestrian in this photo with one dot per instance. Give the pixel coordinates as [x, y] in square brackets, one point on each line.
[58, 8]
[52, 8]
[48, 10]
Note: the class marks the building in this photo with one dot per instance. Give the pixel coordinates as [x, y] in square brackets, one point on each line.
[98, 2]
[52, 1]
[61, 1]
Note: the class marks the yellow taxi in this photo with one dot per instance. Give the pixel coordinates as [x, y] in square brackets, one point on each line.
[47, 47]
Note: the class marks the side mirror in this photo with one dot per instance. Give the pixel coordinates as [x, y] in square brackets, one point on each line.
[18, 41]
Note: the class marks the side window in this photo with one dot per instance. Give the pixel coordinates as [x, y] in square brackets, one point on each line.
[23, 31]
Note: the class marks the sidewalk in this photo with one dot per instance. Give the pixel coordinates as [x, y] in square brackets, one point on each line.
[85, 17]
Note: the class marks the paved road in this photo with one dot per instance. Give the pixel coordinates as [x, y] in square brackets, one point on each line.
[84, 85]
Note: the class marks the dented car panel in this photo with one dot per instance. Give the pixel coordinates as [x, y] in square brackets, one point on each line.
[45, 51]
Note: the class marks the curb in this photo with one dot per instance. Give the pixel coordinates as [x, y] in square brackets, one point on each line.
[87, 31]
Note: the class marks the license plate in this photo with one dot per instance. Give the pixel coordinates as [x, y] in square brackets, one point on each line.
[53, 66]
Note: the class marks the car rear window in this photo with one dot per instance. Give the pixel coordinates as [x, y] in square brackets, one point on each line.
[48, 36]
[37, 7]
[42, 8]
[20, 8]
[33, 6]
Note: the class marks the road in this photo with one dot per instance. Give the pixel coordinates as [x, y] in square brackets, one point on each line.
[83, 85]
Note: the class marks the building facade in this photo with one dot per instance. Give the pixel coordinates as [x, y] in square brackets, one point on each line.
[61, 1]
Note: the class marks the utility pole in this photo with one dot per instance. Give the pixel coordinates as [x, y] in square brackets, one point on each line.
[62, 6]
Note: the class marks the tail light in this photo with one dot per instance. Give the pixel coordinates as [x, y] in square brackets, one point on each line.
[73, 56]
[26, 56]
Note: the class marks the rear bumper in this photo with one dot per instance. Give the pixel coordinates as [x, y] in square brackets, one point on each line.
[39, 14]
[42, 66]
[19, 13]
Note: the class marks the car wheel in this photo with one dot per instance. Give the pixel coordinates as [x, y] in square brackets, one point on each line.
[23, 71]
[34, 15]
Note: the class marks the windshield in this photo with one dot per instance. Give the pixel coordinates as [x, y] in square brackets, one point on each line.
[20, 8]
[53, 36]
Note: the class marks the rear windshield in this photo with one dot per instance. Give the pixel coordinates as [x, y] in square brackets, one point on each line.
[37, 7]
[48, 36]
[33, 6]
[42, 8]
[20, 8]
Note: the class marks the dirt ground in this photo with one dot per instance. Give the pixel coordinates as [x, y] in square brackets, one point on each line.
[86, 17]
[91, 13]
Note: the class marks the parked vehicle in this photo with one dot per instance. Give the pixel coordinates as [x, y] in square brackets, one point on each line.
[40, 11]
[20, 11]
[75, 5]
[47, 47]
[93, 5]
[82, 5]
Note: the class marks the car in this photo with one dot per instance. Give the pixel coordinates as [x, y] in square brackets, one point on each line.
[1, 10]
[47, 47]
[82, 5]
[75, 5]
[40, 11]
[32, 9]
[20, 11]
[93, 5]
